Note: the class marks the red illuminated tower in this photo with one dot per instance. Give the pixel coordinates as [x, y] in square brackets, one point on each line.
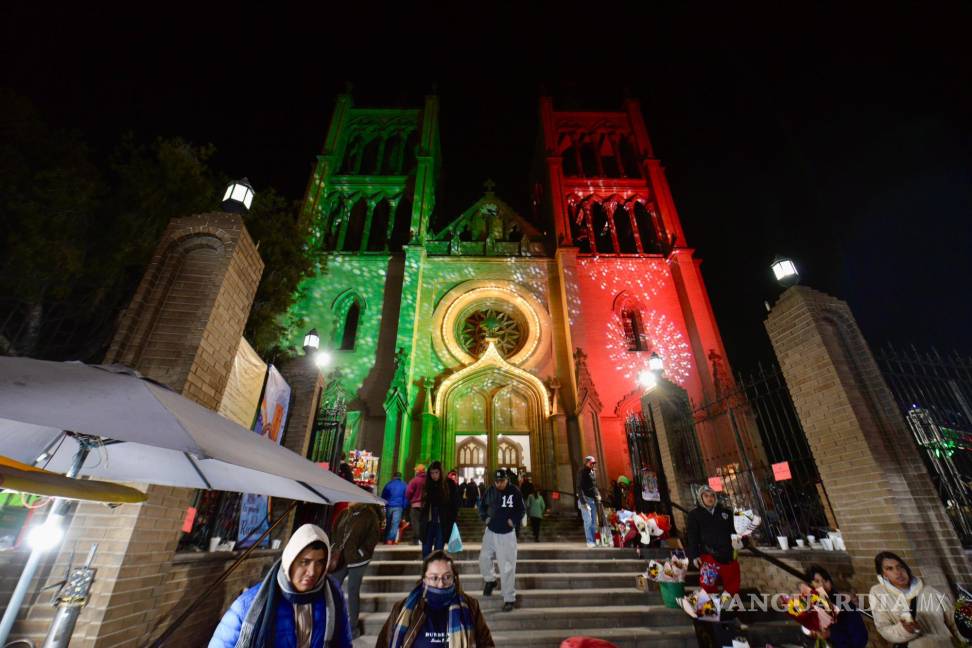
[631, 284]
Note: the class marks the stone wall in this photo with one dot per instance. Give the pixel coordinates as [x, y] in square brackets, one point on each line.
[766, 577]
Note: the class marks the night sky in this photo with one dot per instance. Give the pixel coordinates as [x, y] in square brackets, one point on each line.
[842, 139]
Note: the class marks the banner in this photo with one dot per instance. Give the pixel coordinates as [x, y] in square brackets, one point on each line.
[253, 515]
[649, 486]
[242, 394]
[273, 410]
[781, 471]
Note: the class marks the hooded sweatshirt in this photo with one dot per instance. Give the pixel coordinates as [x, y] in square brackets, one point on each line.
[710, 531]
[304, 614]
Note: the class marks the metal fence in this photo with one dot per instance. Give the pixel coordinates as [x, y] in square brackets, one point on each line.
[934, 394]
[760, 416]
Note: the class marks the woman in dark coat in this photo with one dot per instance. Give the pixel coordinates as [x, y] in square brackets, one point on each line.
[440, 505]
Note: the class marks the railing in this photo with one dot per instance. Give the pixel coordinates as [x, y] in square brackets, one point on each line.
[934, 395]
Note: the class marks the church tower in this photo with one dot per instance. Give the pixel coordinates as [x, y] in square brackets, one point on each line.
[632, 285]
[368, 203]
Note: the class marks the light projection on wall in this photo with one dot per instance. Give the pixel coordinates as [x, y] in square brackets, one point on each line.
[644, 286]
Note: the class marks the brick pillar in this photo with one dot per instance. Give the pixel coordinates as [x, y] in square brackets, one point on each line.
[182, 328]
[881, 493]
[668, 407]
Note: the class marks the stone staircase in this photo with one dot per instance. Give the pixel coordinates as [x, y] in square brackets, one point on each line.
[563, 589]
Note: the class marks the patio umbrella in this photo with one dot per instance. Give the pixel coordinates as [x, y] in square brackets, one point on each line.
[20, 477]
[144, 432]
[59, 413]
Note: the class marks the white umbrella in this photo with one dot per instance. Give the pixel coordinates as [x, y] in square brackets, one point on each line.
[150, 434]
[142, 432]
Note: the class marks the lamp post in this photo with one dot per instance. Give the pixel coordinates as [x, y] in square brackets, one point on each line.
[785, 271]
[238, 197]
[312, 342]
[655, 363]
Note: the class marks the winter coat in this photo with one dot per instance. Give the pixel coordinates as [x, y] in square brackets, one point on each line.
[710, 533]
[356, 534]
[448, 508]
[934, 614]
[285, 630]
[535, 505]
[413, 493]
[394, 494]
[586, 484]
[481, 636]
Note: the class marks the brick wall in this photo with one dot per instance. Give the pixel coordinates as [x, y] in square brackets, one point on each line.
[769, 579]
[881, 494]
[182, 328]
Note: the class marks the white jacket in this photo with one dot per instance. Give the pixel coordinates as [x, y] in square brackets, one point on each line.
[935, 613]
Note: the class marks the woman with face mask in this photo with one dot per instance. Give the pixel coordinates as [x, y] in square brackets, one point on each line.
[437, 613]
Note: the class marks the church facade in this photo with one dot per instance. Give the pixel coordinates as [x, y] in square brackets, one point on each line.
[489, 339]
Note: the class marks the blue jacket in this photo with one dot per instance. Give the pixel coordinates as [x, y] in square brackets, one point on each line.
[394, 494]
[285, 630]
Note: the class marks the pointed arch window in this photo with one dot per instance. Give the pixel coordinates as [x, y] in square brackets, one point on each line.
[350, 331]
[633, 330]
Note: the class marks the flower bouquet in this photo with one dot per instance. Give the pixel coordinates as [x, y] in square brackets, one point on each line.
[670, 577]
[704, 606]
[963, 613]
[811, 609]
[745, 522]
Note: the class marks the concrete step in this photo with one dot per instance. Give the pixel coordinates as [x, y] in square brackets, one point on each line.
[777, 633]
[473, 582]
[524, 565]
[553, 618]
[528, 599]
[529, 551]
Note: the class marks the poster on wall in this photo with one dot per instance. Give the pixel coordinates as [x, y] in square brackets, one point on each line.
[273, 410]
[241, 398]
[253, 519]
[649, 486]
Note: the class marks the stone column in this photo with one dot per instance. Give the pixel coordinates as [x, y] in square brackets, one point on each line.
[668, 406]
[182, 329]
[881, 493]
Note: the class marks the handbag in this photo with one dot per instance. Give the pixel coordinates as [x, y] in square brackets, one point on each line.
[455, 540]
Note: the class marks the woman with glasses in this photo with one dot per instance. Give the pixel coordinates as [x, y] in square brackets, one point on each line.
[437, 613]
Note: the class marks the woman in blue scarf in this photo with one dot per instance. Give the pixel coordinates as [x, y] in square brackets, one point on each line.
[437, 613]
[295, 606]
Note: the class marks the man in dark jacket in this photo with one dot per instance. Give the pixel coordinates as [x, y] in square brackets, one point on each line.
[588, 497]
[355, 536]
[394, 494]
[501, 507]
[709, 543]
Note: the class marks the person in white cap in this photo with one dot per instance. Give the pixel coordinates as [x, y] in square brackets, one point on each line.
[502, 509]
[295, 606]
[588, 497]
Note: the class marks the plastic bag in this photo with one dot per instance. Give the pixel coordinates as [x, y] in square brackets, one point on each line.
[455, 540]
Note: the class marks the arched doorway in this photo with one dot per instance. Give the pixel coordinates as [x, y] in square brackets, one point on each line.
[471, 458]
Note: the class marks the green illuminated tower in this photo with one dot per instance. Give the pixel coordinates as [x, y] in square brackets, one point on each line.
[369, 201]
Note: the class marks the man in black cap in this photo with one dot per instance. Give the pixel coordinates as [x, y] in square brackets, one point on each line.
[588, 497]
[502, 509]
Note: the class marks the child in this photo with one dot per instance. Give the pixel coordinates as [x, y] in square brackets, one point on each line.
[535, 507]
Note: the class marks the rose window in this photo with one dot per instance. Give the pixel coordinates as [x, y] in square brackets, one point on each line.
[491, 322]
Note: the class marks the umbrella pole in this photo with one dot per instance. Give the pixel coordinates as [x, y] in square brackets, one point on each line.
[192, 606]
[58, 509]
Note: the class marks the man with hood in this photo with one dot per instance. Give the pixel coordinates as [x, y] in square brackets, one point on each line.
[413, 493]
[709, 543]
[295, 606]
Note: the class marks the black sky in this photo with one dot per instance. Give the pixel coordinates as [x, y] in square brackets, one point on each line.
[838, 136]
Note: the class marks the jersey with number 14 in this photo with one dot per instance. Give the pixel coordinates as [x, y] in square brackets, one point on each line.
[501, 507]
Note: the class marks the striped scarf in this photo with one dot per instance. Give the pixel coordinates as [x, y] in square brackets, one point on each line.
[460, 620]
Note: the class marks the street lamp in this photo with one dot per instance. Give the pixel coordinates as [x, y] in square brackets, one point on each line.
[323, 359]
[785, 271]
[312, 341]
[647, 379]
[655, 362]
[238, 196]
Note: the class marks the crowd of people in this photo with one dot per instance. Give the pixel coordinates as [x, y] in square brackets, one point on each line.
[310, 598]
